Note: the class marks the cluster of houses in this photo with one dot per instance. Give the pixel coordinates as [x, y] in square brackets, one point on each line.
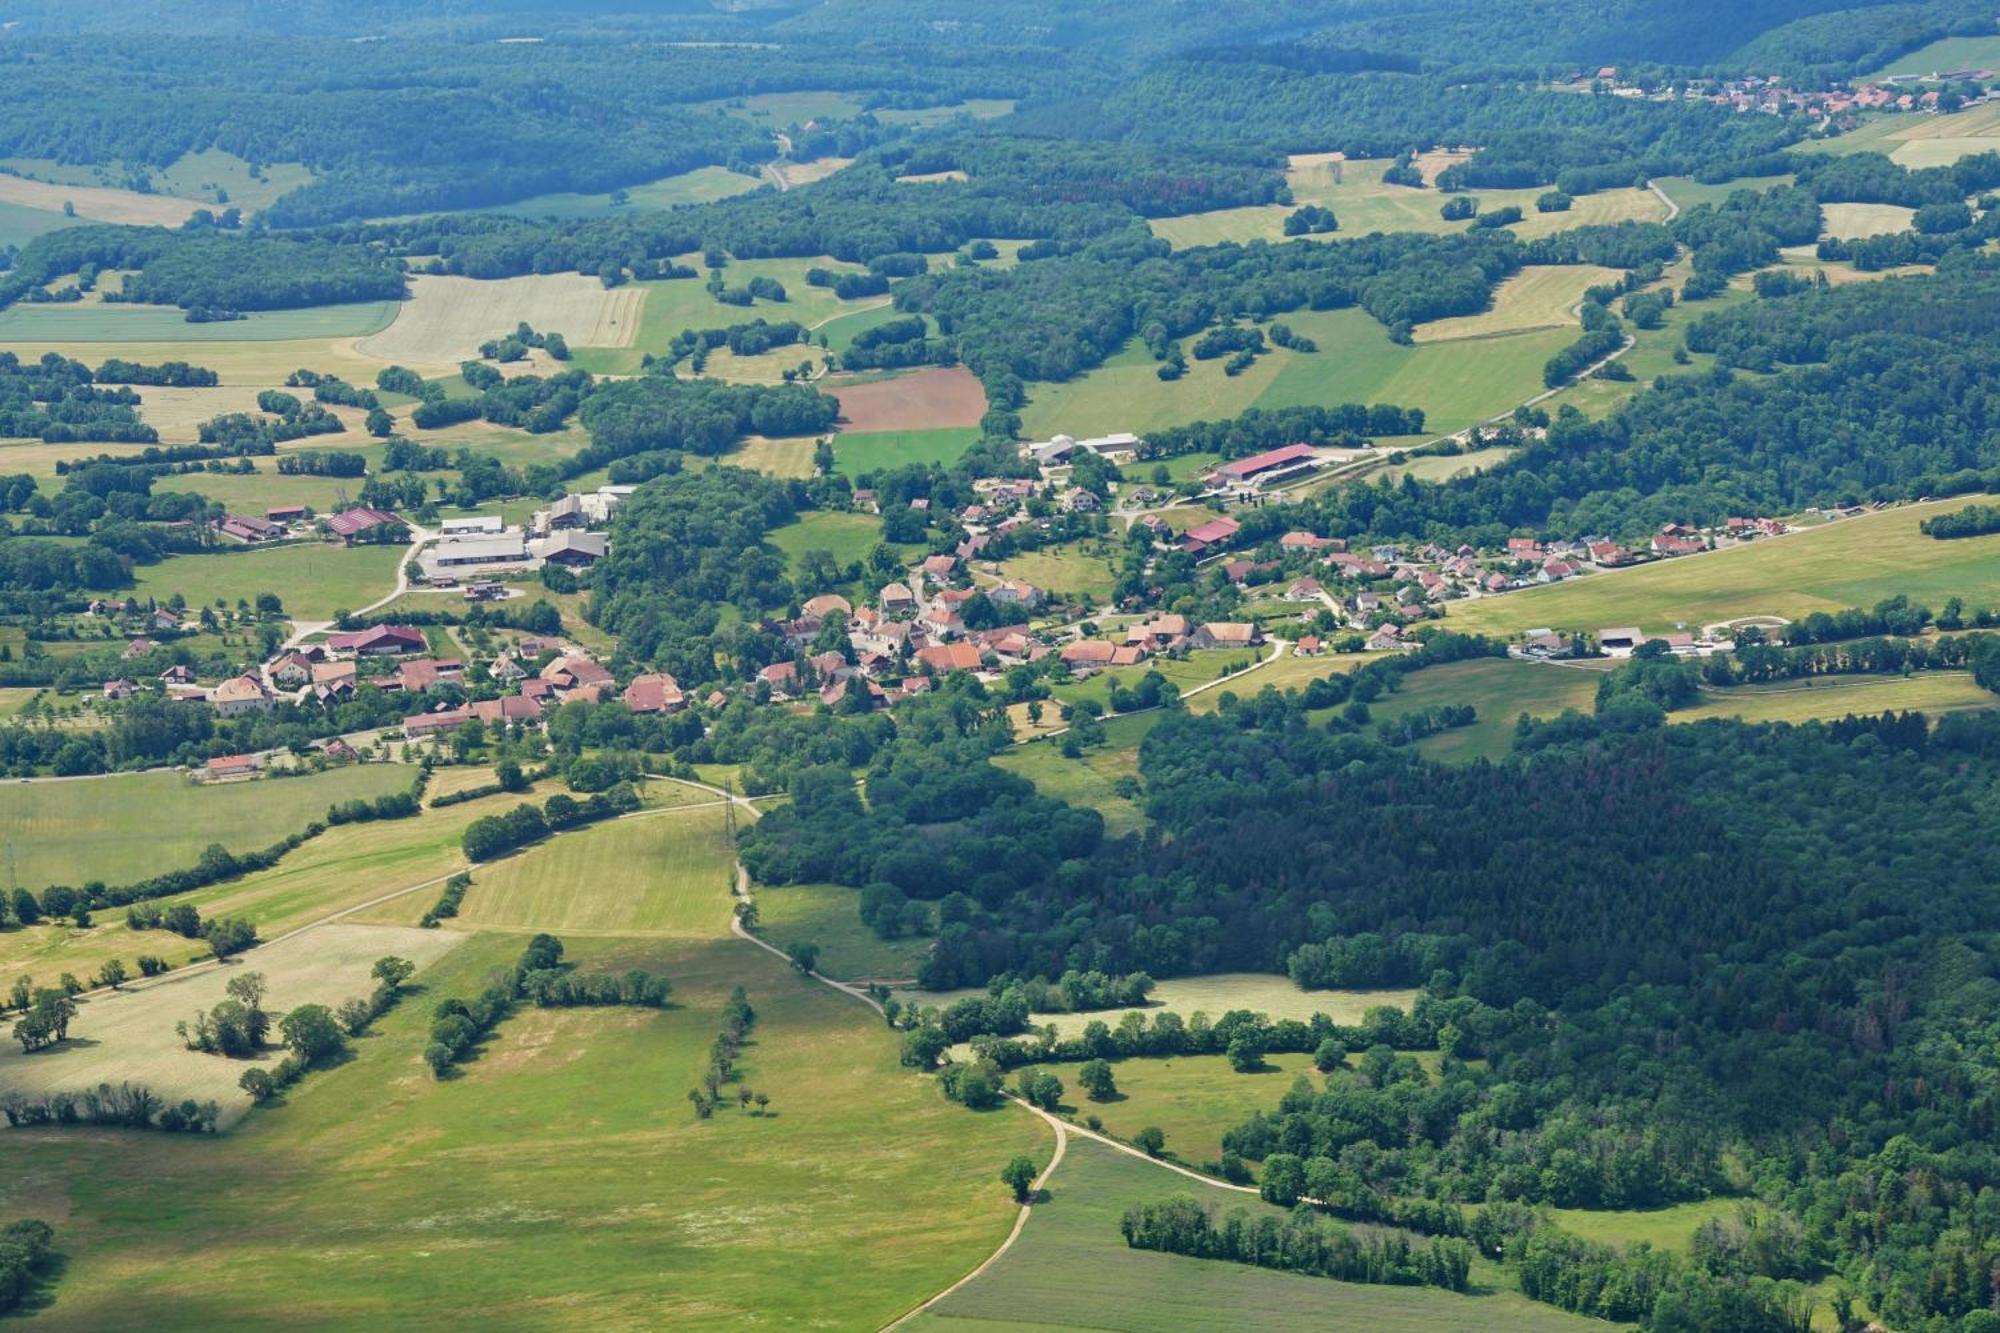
[1771, 95]
[362, 523]
[489, 545]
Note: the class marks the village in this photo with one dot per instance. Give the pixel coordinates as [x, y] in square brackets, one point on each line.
[1836, 109]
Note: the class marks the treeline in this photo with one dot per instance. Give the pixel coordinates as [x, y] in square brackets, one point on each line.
[495, 835]
[205, 270]
[1260, 429]
[542, 976]
[1301, 1243]
[1971, 521]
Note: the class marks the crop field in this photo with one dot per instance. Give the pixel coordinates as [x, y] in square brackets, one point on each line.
[557, 1180]
[924, 400]
[124, 828]
[1538, 297]
[129, 1036]
[1851, 562]
[1828, 697]
[39, 460]
[670, 306]
[235, 362]
[96, 203]
[665, 874]
[1088, 781]
[1915, 139]
[140, 325]
[789, 175]
[1364, 204]
[1850, 222]
[1071, 1269]
[203, 177]
[1456, 383]
[446, 319]
[859, 455]
[315, 579]
[178, 413]
[1500, 690]
[849, 537]
[828, 915]
[1945, 56]
[789, 458]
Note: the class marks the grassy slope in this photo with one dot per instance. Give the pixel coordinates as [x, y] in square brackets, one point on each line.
[1853, 562]
[560, 1181]
[857, 455]
[1088, 781]
[95, 322]
[1500, 690]
[1070, 1269]
[849, 537]
[1933, 692]
[118, 829]
[315, 580]
[1944, 57]
[827, 915]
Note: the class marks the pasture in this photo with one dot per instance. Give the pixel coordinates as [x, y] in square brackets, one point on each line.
[858, 455]
[653, 874]
[1915, 139]
[1457, 383]
[1827, 697]
[1538, 297]
[1945, 56]
[1688, 192]
[1358, 197]
[1071, 1269]
[236, 363]
[1070, 570]
[97, 203]
[1500, 689]
[1215, 995]
[211, 176]
[923, 400]
[703, 185]
[828, 915]
[1289, 672]
[1196, 1099]
[788, 458]
[1850, 562]
[139, 325]
[1089, 780]
[19, 225]
[315, 579]
[446, 318]
[129, 1036]
[558, 1180]
[1197, 668]
[849, 537]
[130, 826]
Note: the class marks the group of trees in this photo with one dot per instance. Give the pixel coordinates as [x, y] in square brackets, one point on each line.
[58, 401]
[737, 1020]
[494, 835]
[26, 1248]
[542, 976]
[1301, 1243]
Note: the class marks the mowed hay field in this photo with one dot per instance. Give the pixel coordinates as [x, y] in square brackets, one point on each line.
[119, 327]
[1914, 139]
[1538, 297]
[558, 1180]
[1500, 690]
[314, 580]
[1850, 562]
[97, 203]
[1215, 995]
[129, 1036]
[1932, 692]
[1071, 1269]
[446, 318]
[828, 915]
[1364, 204]
[1456, 383]
[652, 874]
[924, 400]
[1849, 222]
[126, 828]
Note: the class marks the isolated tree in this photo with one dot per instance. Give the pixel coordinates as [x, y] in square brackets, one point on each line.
[743, 1096]
[392, 971]
[1019, 1174]
[312, 1033]
[763, 1102]
[805, 957]
[1246, 1052]
[112, 974]
[1152, 1140]
[1098, 1080]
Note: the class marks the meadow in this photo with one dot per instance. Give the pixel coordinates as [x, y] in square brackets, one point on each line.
[1945, 56]
[1197, 668]
[1538, 297]
[1500, 689]
[1358, 197]
[849, 537]
[1921, 140]
[1850, 222]
[210, 176]
[96, 203]
[1850, 562]
[1089, 780]
[1828, 697]
[20, 224]
[447, 318]
[124, 828]
[1071, 1269]
[857, 455]
[558, 1180]
[703, 185]
[95, 322]
[1068, 569]
[827, 915]
[314, 579]
[1687, 192]
[1457, 383]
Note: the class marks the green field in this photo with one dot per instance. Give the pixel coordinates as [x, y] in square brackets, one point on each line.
[1089, 780]
[666, 874]
[557, 1180]
[1501, 689]
[1945, 56]
[1071, 1269]
[1932, 692]
[872, 451]
[1851, 562]
[94, 322]
[841, 329]
[849, 537]
[120, 829]
[202, 177]
[1197, 668]
[315, 579]
[1651, 356]
[827, 915]
[1457, 383]
[1069, 570]
[20, 224]
[703, 185]
[1918, 139]
[1689, 192]
[1195, 1099]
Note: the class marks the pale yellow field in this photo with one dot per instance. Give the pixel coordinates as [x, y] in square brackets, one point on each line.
[791, 175]
[776, 458]
[39, 460]
[446, 319]
[1852, 222]
[1933, 692]
[253, 364]
[1938, 141]
[1363, 203]
[764, 368]
[1542, 297]
[933, 177]
[178, 413]
[129, 1036]
[97, 203]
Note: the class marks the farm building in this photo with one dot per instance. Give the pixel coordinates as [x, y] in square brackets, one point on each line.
[246, 529]
[654, 694]
[1216, 532]
[1228, 634]
[378, 640]
[483, 524]
[366, 524]
[1270, 466]
[502, 548]
[573, 550]
[240, 695]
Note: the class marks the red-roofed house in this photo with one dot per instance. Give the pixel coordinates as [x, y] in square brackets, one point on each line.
[654, 694]
[1267, 466]
[363, 524]
[946, 657]
[379, 641]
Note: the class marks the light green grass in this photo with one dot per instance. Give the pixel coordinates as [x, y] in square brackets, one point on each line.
[1197, 668]
[1690, 193]
[828, 915]
[1289, 672]
[840, 330]
[849, 537]
[1456, 383]
[1666, 1229]
[1500, 689]
[1070, 570]
[20, 224]
[1945, 56]
[559, 1181]
[1932, 692]
[314, 580]
[1088, 781]
[264, 489]
[1071, 1269]
[703, 185]
[120, 829]
[1652, 355]
[94, 322]
[1915, 139]
[663, 874]
[872, 451]
[1195, 1099]
[1852, 562]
